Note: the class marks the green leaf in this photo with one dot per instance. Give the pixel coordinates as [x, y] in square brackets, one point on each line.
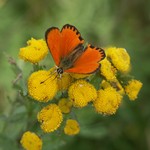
[94, 132]
[7, 144]
[2, 122]
[96, 80]
[53, 141]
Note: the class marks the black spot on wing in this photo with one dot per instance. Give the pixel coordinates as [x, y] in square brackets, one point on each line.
[102, 53]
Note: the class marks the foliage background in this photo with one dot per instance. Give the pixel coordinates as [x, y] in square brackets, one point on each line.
[120, 23]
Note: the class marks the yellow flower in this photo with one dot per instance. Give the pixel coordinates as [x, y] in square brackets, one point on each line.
[82, 92]
[42, 85]
[71, 127]
[107, 70]
[65, 105]
[105, 84]
[120, 58]
[35, 50]
[133, 88]
[108, 101]
[30, 141]
[64, 82]
[79, 76]
[115, 84]
[50, 118]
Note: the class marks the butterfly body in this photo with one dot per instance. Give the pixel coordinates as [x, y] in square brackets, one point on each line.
[69, 53]
[68, 61]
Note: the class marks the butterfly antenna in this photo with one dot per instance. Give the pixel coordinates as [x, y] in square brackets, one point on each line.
[50, 75]
[44, 80]
[55, 76]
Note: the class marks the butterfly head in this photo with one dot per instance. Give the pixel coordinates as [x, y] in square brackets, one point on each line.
[60, 70]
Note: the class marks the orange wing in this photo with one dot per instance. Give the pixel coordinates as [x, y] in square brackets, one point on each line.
[71, 38]
[88, 62]
[61, 43]
[53, 39]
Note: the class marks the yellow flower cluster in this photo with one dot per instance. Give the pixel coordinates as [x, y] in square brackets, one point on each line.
[42, 85]
[114, 69]
[71, 127]
[30, 141]
[35, 50]
[73, 90]
[107, 70]
[119, 58]
[108, 101]
[133, 88]
[50, 118]
[81, 93]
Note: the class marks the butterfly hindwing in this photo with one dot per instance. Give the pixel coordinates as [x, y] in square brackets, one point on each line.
[88, 62]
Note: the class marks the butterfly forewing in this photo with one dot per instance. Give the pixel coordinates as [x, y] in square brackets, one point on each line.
[53, 39]
[62, 43]
[71, 38]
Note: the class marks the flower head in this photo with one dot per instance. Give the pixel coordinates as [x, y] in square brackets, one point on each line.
[72, 127]
[79, 76]
[115, 84]
[65, 105]
[64, 82]
[108, 101]
[30, 141]
[133, 88]
[50, 118]
[120, 58]
[42, 85]
[82, 92]
[107, 70]
[35, 50]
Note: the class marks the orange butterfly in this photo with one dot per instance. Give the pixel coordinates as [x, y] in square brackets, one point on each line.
[68, 51]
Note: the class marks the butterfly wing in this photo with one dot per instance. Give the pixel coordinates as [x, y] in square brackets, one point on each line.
[53, 39]
[70, 39]
[61, 43]
[88, 62]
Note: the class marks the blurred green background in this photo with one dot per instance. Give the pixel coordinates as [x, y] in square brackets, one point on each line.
[120, 23]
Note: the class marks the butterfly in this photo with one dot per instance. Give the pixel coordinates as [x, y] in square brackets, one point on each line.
[69, 52]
